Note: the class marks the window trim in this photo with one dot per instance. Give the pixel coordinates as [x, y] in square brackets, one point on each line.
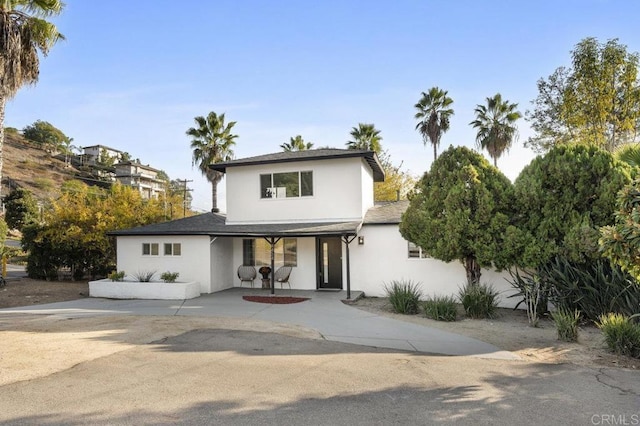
[150, 251]
[172, 249]
[269, 189]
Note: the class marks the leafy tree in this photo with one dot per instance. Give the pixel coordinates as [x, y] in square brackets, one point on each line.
[620, 242]
[125, 157]
[397, 183]
[47, 135]
[24, 32]
[21, 208]
[74, 230]
[105, 159]
[562, 199]
[597, 101]
[460, 210]
[365, 137]
[434, 112]
[496, 127]
[212, 142]
[296, 144]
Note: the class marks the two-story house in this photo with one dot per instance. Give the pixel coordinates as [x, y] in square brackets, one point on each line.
[95, 153]
[316, 208]
[141, 177]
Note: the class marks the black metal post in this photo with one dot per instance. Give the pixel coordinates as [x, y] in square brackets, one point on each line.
[347, 242]
[272, 242]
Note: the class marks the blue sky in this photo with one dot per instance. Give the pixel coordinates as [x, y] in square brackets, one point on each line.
[132, 74]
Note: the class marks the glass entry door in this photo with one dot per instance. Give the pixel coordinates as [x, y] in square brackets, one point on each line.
[329, 261]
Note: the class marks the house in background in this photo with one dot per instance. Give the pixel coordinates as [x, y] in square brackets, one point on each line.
[316, 208]
[95, 153]
[140, 177]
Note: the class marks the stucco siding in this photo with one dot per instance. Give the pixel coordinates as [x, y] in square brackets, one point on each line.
[222, 271]
[384, 258]
[192, 264]
[337, 193]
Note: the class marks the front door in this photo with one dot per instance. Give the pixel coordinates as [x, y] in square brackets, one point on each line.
[329, 262]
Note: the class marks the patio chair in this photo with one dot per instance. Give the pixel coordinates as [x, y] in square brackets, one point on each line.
[282, 276]
[246, 273]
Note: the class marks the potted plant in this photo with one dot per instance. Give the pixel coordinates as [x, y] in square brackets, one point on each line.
[265, 271]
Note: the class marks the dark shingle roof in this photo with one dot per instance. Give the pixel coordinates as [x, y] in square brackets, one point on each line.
[386, 213]
[307, 155]
[214, 225]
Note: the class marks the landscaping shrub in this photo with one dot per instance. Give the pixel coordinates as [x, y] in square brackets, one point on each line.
[534, 293]
[441, 308]
[144, 276]
[169, 277]
[594, 289]
[404, 296]
[116, 276]
[621, 335]
[479, 301]
[566, 324]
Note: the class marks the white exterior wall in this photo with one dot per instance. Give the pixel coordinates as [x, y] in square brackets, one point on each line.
[303, 276]
[222, 271]
[338, 193]
[193, 264]
[384, 258]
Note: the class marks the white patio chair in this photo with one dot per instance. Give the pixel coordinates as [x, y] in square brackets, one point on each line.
[246, 273]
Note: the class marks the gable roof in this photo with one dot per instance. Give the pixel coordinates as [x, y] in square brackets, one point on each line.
[307, 155]
[214, 225]
[386, 213]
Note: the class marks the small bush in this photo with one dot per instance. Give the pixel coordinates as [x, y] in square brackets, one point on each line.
[116, 276]
[479, 301]
[566, 324]
[169, 277]
[441, 308]
[621, 335]
[144, 276]
[404, 296]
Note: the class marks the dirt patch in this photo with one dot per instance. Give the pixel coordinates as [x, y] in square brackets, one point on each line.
[276, 300]
[511, 331]
[26, 292]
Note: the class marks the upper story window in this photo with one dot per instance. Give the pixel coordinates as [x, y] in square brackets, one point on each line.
[286, 185]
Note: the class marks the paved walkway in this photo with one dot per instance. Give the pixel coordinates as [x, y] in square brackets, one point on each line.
[324, 312]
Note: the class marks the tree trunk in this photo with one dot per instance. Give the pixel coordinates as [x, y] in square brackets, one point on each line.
[495, 162]
[2, 105]
[473, 270]
[435, 151]
[215, 178]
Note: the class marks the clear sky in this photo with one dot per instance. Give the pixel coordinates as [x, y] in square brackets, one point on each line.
[132, 74]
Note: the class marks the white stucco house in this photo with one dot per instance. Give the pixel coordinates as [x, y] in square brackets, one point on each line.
[317, 208]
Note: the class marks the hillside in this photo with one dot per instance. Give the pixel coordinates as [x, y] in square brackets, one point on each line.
[32, 168]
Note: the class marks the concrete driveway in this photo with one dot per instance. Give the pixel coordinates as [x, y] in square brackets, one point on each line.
[323, 312]
[219, 373]
[214, 376]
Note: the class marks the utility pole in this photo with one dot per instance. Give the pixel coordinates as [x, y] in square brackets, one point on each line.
[184, 195]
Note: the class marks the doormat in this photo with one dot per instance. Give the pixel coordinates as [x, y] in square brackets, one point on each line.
[276, 300]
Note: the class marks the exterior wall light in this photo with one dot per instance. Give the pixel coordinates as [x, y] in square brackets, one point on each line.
[360, 241]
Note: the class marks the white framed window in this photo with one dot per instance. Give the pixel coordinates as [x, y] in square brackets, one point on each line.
[415, 251]
[149, 249]
[172, 249]
[286, 185]
[257, 252]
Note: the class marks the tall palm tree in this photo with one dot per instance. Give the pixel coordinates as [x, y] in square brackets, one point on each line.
[496, 126]
[365, 137]
[23, 33]
[211, 142]
[434, 112]
[296, 144]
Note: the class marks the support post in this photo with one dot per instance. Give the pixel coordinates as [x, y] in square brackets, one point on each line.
[272, 242]
[348, 241]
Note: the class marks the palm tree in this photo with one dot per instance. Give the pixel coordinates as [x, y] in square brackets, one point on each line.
[211, 142]
[24, 33]
[365, 137]
[629, 153]
[296, 144]
[496, 126]
[433, 114]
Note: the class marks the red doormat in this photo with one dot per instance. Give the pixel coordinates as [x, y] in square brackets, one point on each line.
[277, 300]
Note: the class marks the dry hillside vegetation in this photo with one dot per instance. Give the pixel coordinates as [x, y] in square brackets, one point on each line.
[33, 168]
